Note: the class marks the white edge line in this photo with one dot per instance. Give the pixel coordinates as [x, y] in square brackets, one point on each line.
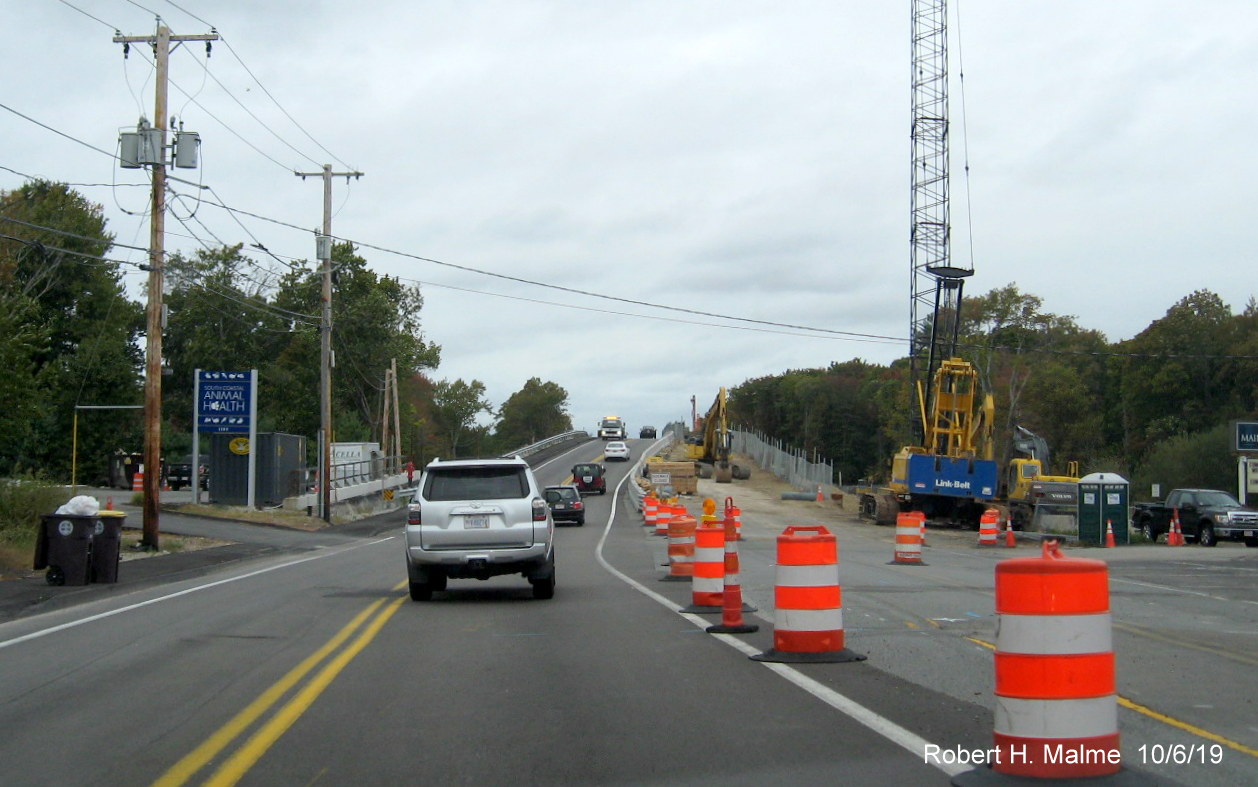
[132, 607]
[888, 729]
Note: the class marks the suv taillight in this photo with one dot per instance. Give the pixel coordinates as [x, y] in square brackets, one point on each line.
[540, 510]
[412, 514]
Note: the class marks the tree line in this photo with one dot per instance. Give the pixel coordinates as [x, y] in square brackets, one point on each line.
[1156, 408]
[71, 337]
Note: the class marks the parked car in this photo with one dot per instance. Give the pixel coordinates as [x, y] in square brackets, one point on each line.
[565, 504]
[616, 450]
[476, 519]
[589, 477]
[647, 432]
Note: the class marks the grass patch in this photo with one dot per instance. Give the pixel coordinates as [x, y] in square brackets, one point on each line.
[22, 502]
[276, 516]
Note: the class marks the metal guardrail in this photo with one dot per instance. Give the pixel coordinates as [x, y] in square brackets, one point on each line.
[560, 439]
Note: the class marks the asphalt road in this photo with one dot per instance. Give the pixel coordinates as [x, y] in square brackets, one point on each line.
[300, 661]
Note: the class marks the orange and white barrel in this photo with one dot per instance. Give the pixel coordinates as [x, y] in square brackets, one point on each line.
[137, 480]
[1056, 705]
[707, 589]
[650, 509]
[988, 528]
[908, 538]
[681, 549]
[808, 602]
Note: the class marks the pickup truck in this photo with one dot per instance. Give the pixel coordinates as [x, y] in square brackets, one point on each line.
[1205, 516]
[179, 475]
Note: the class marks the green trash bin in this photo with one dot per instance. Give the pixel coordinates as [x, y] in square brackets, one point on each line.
[107, 546]
[64, 547]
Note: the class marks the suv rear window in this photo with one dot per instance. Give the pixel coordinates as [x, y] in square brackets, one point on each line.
[563, 493]
[475, 483]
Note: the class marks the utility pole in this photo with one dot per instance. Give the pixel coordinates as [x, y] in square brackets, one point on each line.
[157, 234]
[324, 250]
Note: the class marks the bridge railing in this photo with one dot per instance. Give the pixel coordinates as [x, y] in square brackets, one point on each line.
[549, 442]
[381, 474]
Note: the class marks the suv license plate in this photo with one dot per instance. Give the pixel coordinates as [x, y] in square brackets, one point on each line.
[1249, 534]
[475, 522]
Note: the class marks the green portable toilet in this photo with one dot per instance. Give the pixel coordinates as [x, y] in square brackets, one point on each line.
[1104, 497]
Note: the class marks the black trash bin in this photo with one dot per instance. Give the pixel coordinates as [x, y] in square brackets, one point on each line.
[107, 546]
[64, 547]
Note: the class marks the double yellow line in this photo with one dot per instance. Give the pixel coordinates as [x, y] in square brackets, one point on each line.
[1191, 729]
[232, 769]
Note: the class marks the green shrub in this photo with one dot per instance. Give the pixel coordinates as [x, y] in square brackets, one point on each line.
[1186, 461]
[22, 502]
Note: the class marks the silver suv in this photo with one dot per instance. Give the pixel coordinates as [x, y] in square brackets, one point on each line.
[476, 519]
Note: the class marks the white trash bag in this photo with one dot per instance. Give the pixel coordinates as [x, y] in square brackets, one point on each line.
[82, 505]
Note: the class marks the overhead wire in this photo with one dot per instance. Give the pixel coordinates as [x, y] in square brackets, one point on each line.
[74, 185]
[278, 104]
[58, 132]
[227, 43]
[825, 332]
[251, 113]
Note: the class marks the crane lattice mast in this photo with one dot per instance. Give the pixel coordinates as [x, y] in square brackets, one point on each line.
[937, 285]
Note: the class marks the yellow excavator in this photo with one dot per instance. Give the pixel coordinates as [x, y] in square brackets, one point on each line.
[709, 445]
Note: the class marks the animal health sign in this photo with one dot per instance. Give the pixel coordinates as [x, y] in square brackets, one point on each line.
[226, 401]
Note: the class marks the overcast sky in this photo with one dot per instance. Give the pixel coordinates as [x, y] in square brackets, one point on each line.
[748, 159]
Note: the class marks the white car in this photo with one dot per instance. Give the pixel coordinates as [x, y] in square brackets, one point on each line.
[616, 450]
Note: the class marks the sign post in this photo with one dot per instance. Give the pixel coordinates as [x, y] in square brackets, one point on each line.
[225, 403]
[1245, 443]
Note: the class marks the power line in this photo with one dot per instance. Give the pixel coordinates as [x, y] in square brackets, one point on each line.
[75, 185]
[86, 14]
[250, 112]
[97, 258]
[55, 131]
[189, 13]
[280, 106]
[70, 234]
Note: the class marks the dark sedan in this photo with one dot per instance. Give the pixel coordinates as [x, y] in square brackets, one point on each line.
[565, 504]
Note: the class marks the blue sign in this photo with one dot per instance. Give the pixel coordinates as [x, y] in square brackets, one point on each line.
[939, 475]
[223, 405]
[1246, 436]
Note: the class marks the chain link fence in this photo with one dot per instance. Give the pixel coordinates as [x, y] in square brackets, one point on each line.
[785, 462]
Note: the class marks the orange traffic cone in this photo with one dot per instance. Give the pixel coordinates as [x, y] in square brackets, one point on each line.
[109, 503]
[1175, 538]
[820, 497]
[1011, 540]
[1109, 533]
